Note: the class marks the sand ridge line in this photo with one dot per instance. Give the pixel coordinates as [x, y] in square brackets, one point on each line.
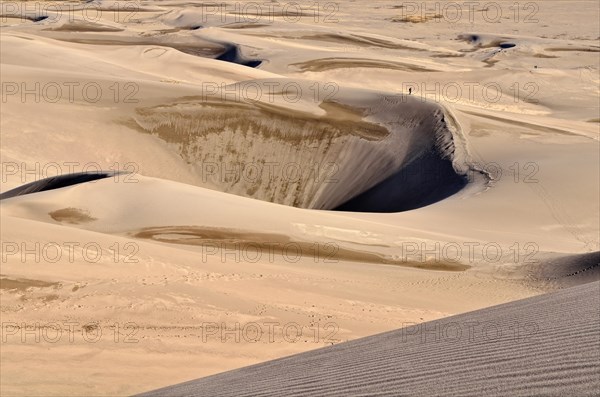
[525, 124]
[324, 64]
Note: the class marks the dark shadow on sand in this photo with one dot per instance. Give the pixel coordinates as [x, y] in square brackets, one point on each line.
[57, 182]
[424, 181]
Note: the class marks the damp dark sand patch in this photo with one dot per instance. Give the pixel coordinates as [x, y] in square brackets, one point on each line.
[416, 18]
[490, 62]
[324, 64]
[286, 14]
[241, 25]
[158, 32]
[23, 284]
[572, 49]
[448, 56]
[83, 26]
[71, 215]
[278, 244]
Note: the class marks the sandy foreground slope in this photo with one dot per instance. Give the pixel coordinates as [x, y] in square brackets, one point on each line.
[120, 285]
[545, 345]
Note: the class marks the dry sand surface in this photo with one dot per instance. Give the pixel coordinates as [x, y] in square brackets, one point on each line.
[280, 179]
[546, 345]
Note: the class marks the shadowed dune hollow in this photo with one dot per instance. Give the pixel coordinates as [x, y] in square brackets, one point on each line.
[379, 155]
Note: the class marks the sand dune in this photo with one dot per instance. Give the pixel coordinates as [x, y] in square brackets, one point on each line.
[356, 166]
[547, 345]
[397, 135]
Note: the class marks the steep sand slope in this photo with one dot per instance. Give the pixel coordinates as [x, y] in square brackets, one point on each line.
[546, 345]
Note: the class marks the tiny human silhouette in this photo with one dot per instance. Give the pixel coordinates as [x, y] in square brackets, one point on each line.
[409, 90]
